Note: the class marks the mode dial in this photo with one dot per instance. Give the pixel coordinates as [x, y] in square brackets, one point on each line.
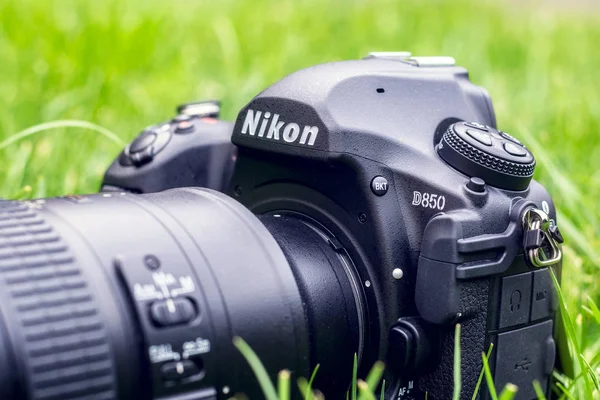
[481, 151]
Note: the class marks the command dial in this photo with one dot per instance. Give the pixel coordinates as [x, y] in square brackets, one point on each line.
[481, 151]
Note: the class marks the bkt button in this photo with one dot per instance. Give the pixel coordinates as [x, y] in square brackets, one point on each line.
[379, 185]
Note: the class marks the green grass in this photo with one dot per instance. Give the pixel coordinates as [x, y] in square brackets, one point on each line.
[125, 65]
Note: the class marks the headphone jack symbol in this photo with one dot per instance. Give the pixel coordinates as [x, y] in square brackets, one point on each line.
[515, 301]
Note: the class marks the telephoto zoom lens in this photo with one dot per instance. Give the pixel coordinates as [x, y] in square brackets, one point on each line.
[123, 296]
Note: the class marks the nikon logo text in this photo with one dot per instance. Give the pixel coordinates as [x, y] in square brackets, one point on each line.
[262, 125]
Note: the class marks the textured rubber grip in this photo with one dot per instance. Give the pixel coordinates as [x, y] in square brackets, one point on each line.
[58, 336]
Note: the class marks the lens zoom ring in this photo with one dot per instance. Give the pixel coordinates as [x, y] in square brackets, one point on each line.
[485, 159]
[67, 351]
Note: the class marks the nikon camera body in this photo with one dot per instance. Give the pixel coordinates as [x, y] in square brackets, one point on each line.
[371, 209]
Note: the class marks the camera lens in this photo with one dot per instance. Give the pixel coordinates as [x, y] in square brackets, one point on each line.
[119, 296]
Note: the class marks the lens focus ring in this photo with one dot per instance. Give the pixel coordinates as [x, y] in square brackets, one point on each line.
[64, 346]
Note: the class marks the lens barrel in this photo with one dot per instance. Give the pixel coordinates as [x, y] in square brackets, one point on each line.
[119, 296]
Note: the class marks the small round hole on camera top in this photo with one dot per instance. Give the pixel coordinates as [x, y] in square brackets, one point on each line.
[380, 90]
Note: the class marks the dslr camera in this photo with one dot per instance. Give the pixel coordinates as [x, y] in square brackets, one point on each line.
[359, 209]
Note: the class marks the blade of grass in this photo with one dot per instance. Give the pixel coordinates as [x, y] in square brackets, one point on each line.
[480, 379]
[579, 330]
[373, 379]
[593, 309]
[595, 360]
[68, 123]
[591, 372]
[375, 374]
[488, 378]
[308, 393]
[578, 239]
[571, 335]
[354, 378]
[257, 367]
[539, 392]
[312, 377]
[457, 376]
[365, 391]
[305, 390]
[283, 384]
[565, 391]
[509, 392]
[382, 394]
[23, 194]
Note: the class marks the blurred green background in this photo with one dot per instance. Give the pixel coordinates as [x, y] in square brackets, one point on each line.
[126, 65]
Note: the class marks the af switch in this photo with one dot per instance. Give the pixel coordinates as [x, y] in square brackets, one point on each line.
[164, 313]
[484, 152]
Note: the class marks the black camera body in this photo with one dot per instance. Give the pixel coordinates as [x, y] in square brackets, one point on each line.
[397, 162]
